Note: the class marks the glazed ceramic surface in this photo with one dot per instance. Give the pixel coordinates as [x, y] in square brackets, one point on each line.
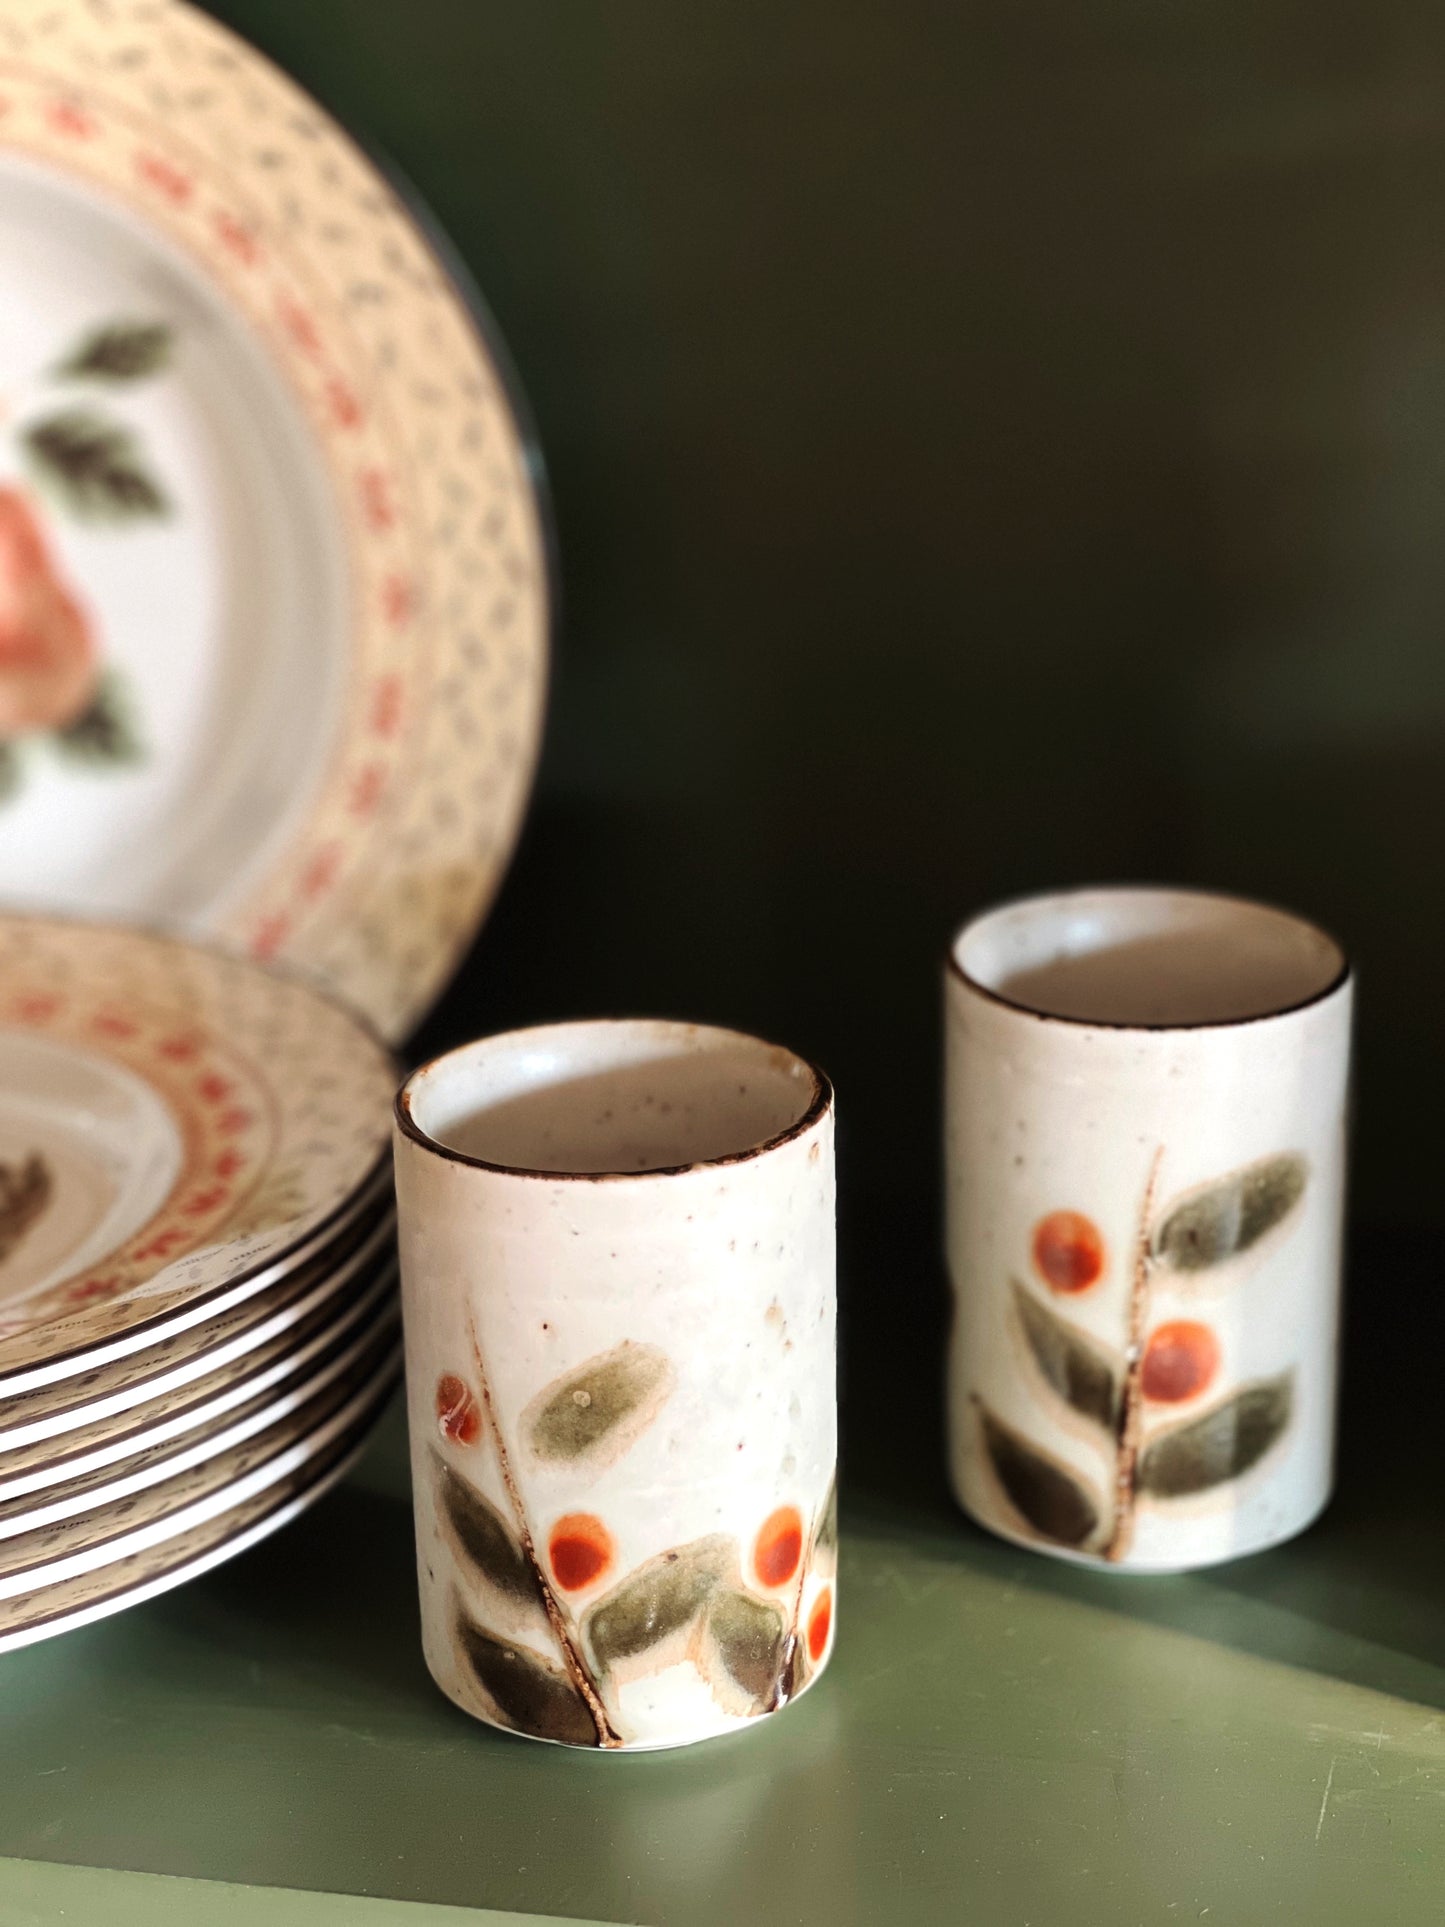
[617, 1251]
[1145, 1166]
[273, 597]
[172, 1121]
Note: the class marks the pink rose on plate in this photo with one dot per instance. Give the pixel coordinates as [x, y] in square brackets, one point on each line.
[48, 662]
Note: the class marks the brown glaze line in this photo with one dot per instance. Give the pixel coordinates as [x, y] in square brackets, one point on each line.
[1345, 973]
[1130, 1406]
[607, 1735]
[818, 1106]
[788, 1664]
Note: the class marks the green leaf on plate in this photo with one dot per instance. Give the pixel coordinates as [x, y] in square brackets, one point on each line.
[25, 1191]
[1219, 1445]
[1213, 1223]
[481, 1537]
[744, 1640]
[94, 467]
[1054, 1502]
[528, 1692]
[600, 1408]
[102, 732]
[663, 1597]
[120, 351]
[10, 771]
[1079, 1370]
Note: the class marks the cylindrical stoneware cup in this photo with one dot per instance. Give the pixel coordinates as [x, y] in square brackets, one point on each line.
[1146, 1095]
[617, 1248]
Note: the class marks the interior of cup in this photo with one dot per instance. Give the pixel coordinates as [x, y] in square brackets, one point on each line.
[610, 1098]
[1148, 958]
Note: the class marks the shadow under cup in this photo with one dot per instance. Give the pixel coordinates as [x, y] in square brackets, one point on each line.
[1146, 1096]
[618, 1289]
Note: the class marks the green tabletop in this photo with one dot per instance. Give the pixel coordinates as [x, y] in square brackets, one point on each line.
[1000, 1739]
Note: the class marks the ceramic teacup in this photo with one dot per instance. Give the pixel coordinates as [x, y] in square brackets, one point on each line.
[617, 1249]
[1146, 1094]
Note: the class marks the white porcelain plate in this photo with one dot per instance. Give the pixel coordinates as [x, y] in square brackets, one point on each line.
[172, 1120]
[273, 597]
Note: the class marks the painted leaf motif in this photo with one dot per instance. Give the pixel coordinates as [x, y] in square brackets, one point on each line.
[120, 351]
[482, 1537]
[1080, 1371]
[1212, 1224]
[25, 1190]
[745, 1640]
[94, 466]
[103, 732]
[598, 1410]
[528, 1692]
[825, 1536]
[1053, 1501]
[662, 1597]
[1221, 1444]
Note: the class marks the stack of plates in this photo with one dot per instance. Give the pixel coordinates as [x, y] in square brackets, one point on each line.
[274, 604]
[198, 1318]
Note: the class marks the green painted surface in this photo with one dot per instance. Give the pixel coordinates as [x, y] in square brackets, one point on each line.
[35, 1893]
[999, 1739]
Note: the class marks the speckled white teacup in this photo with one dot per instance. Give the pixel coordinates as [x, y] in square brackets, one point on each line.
[1145, 1170]
[617, 1248]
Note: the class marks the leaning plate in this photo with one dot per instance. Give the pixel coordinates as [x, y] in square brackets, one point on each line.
[273, 595]
[171, 1120]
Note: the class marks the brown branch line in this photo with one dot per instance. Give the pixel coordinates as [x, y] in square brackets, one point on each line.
[788, 1663]
[607, 1735]
[1131, 1402]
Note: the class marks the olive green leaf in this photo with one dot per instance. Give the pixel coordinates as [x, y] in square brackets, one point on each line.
[593, 1414]
[25, 1191]
[660, 1598]
[94, 466]
[1219, 1445]
[825, 1533]
[743, 1646]
[1053, 1501]
[103, 732]
[528, 1692]
[119, 351]
[482, 1537]
[1211, 1224]
[1080, 1371]
[10, 771]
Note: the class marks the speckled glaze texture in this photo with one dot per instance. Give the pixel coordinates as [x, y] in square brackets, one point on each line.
[1144, 1231]
[621, 1392]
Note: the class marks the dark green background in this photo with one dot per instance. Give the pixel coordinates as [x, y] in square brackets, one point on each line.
[993, 448]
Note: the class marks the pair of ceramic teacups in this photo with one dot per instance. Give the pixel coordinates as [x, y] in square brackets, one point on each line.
[617, 1247]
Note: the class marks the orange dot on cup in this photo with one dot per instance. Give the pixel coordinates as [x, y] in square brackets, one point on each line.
[458, 1414]
[779, 1547]
[1068, 1251]
[1180, 1359]
[820, 1622]
[580, 1549]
